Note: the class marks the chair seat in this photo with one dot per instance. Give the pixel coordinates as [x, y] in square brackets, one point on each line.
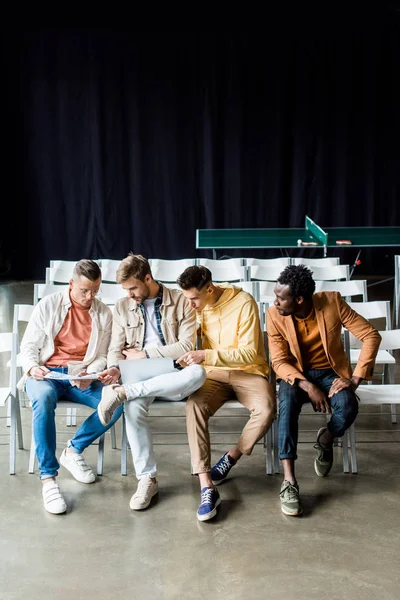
[382, 358]
[379, 394]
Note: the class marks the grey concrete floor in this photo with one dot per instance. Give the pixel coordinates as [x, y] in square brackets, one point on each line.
[345, 546]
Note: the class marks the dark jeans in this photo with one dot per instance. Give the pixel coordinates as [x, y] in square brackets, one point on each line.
[291, 399]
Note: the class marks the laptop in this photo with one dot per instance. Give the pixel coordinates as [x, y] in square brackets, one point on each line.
[133, 371]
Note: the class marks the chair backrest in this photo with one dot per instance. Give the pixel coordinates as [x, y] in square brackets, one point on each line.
[60, 275]
[348, 289]
[9, 343]
[377, 309]
[390, 340]
[22, 314]
[230, 269]
[251, 287]
[261, 273]
[266, 291]
[169, 270]
[109, 268]
[330, 273]
[326, 261]
[44, 289]
[111, 292]
[280, 261]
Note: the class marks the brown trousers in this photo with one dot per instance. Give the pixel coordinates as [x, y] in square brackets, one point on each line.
[254, 392]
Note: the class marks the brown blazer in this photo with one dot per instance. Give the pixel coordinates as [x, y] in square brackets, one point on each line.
[332, 313]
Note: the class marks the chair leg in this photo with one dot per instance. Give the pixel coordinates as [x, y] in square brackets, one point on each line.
[268, 446]
[100, 455]
[113, 438]
[32, 455]
[393, 413]
[69, 417]
[124, 447]
[19, 428]
[345, 450]
[13, 434]
[352, 434]
[275, 445]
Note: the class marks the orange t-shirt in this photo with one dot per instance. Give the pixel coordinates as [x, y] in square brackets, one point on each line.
[309, 338]
[73, 338]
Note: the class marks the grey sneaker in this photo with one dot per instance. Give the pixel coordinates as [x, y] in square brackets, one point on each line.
[290, 500]
[324, 460]
[110, 400]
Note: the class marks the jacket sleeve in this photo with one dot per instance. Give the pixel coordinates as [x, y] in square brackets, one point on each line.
[100, 362]
[282, 360]
[363, 331]
[118, 338]
[246, 353]
[33, 339]
[186, 337]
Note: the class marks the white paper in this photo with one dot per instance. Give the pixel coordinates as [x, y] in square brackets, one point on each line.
[66, 376]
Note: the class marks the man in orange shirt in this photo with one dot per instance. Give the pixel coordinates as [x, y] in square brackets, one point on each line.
[305, 343]
[68, 334]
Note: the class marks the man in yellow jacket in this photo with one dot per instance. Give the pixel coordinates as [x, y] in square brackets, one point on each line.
[305, 344]
[233, 355]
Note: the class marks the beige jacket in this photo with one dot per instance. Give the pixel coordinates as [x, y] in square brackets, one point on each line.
[332, 313]
[178, 324]
[48, 316]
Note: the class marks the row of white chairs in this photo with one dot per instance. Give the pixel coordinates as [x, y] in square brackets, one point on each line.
[234, 269]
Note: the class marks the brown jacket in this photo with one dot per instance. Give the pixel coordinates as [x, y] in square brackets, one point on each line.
[332, 313]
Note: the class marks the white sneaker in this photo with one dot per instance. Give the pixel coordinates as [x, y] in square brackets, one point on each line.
[76, 464]
[53, 502]
[144, 493]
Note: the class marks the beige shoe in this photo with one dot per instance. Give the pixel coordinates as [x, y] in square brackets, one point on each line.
[144, 493]
[110, 400]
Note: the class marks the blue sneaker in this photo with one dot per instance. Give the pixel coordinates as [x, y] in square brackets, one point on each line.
[220, 470]
[210, 499]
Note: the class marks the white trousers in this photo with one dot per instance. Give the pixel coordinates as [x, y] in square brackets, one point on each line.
[140, 396]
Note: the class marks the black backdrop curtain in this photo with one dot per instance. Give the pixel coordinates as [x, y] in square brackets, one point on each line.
[131, 141]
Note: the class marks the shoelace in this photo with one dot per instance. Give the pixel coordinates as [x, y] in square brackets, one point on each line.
[143, 488]
[291, 491]
[206, 497]
[224, 466]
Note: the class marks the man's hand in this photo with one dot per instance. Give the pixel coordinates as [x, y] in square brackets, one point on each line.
[38, 373]
[109, 376]
[81, 384]
[342, 383]
[133, 354]
[192, 358]
[318, 399]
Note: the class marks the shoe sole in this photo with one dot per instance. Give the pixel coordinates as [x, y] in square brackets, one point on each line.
[61, 461]
[145, 506]
[321, 474]
[218, 482]
[211, 514]
[56, 512]
[292, 514]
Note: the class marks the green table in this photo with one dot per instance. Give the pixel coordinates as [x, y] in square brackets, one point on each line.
[313, 234]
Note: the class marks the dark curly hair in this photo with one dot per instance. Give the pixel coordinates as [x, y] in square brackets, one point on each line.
[299, 279]
[194, 277]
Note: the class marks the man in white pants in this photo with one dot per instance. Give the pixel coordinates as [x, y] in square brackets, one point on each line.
[151, 322]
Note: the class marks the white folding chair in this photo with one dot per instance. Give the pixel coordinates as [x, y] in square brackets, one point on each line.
[111, 292]
[330, 272]
[264, 273]
[326, 261]
[280, 261]
[109, 268]
[230, 269]
[40, 290]
[348, 289]
[168, 271]
[396, 295]
[9, 395]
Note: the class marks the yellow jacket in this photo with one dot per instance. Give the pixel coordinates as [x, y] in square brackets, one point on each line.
[231, 333]
[332, 313]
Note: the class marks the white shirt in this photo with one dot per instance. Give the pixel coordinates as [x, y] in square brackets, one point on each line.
[152, 337]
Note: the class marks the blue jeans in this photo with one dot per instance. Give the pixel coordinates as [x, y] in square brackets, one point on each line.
[291, 399]
[43, 396]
